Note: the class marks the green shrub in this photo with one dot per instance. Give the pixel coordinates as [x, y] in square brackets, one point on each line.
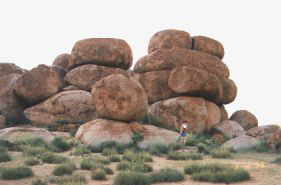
[184, 156]
[131, 178]
[31, 162]
[221, 153]
[175, 146]
[158, 149]
[33, 142]
[33, 151]
[68, 180]
[39, 182]
[90, 164]
[167, 175]
[129, 155]
[262, 147]
[124, 165]
[6, 144]
[136, 138]
[120, 148]
[53, 158]
[134, 166]
[61, 144]
[16, 173]
[99, 174]
[3, 149]
[64, 169]
[216, 173]
[81, 150]
[108, 171]
[5, 157]
[114, 158]
[109, 151]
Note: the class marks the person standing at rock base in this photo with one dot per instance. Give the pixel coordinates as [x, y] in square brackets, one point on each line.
[183, 132]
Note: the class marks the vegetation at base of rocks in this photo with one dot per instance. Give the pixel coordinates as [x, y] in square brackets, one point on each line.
[158, 149]
[216, 173]
[221, 153]
[114, 158]
[120, 148]
[5, 156]
[33, 142]
[16, 173]
[109, 151]
[167, 175]
[39, 182]
[61, 144]
[204, 142]
[68, 180]
[98, 174]
[131, 178]
[90, 164]
[175, 146]
[81, 150]
[108, 171]
[130, 155]
[34, 151]
[134, 166]
[184, 156]
[6, 144]
[136, 138]
[53, 158]
[32, 162]
[262, 147]
[64, 169]
[277, 160]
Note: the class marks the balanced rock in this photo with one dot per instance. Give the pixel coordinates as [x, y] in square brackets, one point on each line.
[168, 39]
[172, 112]
[2, 122]
[246, 119]
[102, 51]
[243, 142]
[67, 106]
[86, 76]
[230, 129]
[39, 83]
[10, 68]
[208, 45]
[166, 59]
[64, 61]
[119, 97]
[229, 91]
[10, 106]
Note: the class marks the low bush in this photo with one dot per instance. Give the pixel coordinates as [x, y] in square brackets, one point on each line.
[167, 175]
[221, 153]
[134, 166]
[6, 144]
[68, 180]
[114, 158]
[175, 146]
[5, 157]
[81, 150]
[98, 174]
[39, 182]
[64, 169]
[131, 178]
[216, 173]
[184, 156]
[16, 173]
[31, 162]
[158, 149]
[53, 158]
[33, 142]
[61, 144]
[108, 171]
[262, 147]
[109, 151]
[90, 164]
[3, 149]
[33, 151]
[124, 165]
[130, 155]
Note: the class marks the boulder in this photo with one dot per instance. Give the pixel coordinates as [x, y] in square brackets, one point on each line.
[274, 139]
[10, 68]
[229, 91]
[39, 83]
[172, 112]
[65, 107]
[224, 114]
[2, 122]
[101, 130]
[208, 45]
[230, 129]
[219, 138]
[246, 119]
[168, 39]
[119, 97]
[166, 59]
[243, 142]
[64, 61]
[13, 134]
[102, 51]
[263, 132]
[86, 76]
[10, 105]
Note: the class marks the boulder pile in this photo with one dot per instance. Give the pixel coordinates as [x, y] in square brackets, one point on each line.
[92, 89]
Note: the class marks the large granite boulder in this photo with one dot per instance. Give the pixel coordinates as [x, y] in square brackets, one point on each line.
[201, 114]
[10, 68]
[240, 143]
[246, 119]
[64, 61]
[67, 106]
[168, 39]
[119, 97]
[166, 59]
[102, 51]
[224, 114]
[208, 45]
[229, 91]
[39, 83]
[86, 76]
[10, 105]
[230, 129]
[263, 132]
[274, 139]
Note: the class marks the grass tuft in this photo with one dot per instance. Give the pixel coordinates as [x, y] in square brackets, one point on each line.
[64, 169]
[98, 174]
[16, 173]
[167, 175]
[184, 156]
[131, 178]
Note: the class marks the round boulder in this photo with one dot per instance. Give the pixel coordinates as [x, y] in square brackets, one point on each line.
[168, 39]
[230, 129]
[246, 119]
[119, 97]
[64, 61]
[229, 91]
[103, 51]
[10, 68]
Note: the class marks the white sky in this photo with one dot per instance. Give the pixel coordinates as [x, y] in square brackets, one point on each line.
[35, 32]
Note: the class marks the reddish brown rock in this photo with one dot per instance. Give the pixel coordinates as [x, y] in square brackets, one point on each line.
[274, 140]
[119, 97]
[39, 83]
[102, 51]
[172, 112]
[214, 115]
[168, 39]
[219, 138]
[86, 76]
[166, 59]
[10, 68]
[64, 61]
[230, 129]
[246, 119]
[241, 143]
[2, 122]
[67, 106]
[224, 114]
[229, 91]
[208, 45]
[262, 131]
[10, 106]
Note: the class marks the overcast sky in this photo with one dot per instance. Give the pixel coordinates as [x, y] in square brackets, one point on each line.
[33, 32]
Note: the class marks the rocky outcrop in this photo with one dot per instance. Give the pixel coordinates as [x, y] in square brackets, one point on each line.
[102, 51]
[68, 106]
[86, 76]
[243, 142]
[2, 122]
[10, 68]
[230, 129]
[224, 114]
[229, 91]
[119, 97]
[168, 39]
[64, 61]
[246, 119]
[263, 132]
[39, 83]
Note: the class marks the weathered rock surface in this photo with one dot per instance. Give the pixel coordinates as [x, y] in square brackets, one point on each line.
[2, 122]
[86, 76]
[102, 51]
[230, 129]
[119, 97]
[168, 39]
[70, 106]
[10, 68]
[10, 106]
[246, 119]
[39, 84]
[166, 59]
[224, 114]
[208, 45]
[274, 139]
[263, 132]
[100, 130]
[243, 142]
[64, 61]
[229, 91]
[70, 88]
[172, 112]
